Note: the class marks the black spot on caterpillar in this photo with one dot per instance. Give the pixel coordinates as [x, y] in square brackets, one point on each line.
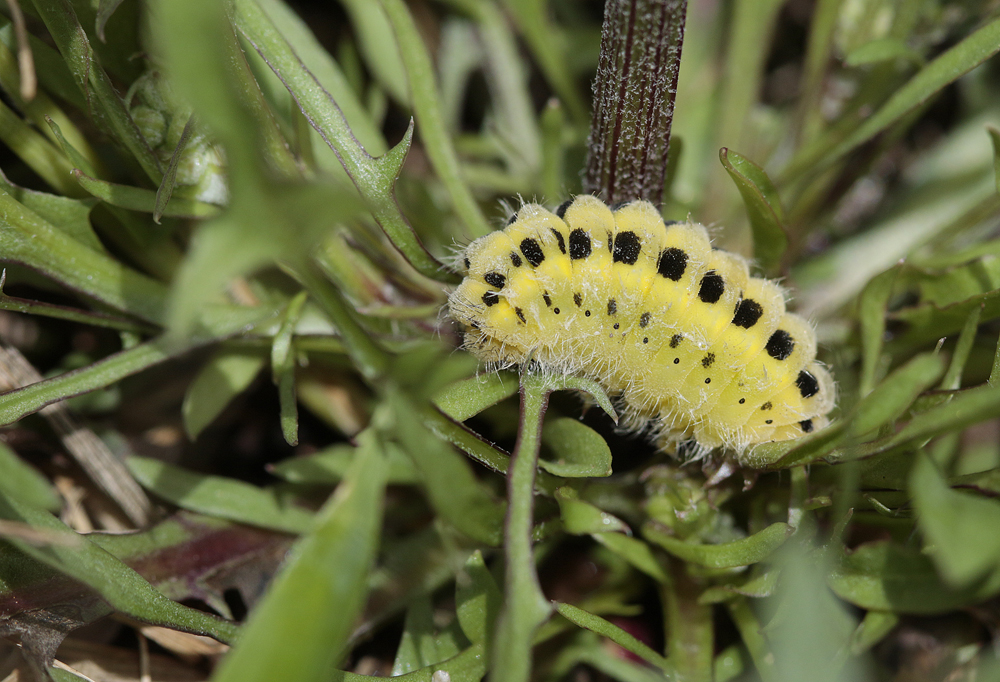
[676, 309]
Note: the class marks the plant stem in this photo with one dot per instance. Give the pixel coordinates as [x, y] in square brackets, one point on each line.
[690, 634]
[525, 606]
[634, 94]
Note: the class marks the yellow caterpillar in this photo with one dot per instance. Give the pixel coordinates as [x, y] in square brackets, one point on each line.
[695, 346]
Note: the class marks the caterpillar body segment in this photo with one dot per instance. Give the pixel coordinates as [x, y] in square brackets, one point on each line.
[695, 346]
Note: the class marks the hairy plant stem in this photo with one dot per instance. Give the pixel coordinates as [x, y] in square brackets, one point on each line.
[634, 94]
[525, 606]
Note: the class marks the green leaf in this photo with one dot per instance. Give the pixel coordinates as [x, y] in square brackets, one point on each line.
[323, 583]
[229, 372]
[378, 47]
[607, 629]
[583, 518]
[219, 496]
[374, 176]
[891, 398]
[811, 628]
[71, 216]
[744, 552]
[959, 527]
[928, 322]
[883, 50]
[118, 584]
[763, 206]
[634, 551]
[330, 465]
[467, 398]
[28, 238]
[326, 73]
[283, 361]
[887, 577]
[94, 82]
[551, 49]
[450, 483]
[478, 599]
[995, 139]
[872, 305]
[417, 647]
[18, 479]
[144, 200]
[223, 321]
[964, 409]
[943, 70]
[427, 110]
[574, 449]
[872, 629]
[43, 157]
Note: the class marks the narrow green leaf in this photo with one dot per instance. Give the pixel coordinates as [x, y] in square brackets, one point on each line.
[959, 527]
[891, 398]
[872, 629]
[427, 110]
[166, 188]
[965, 408]
[634, 551]
[71, 216]
[995, 139]
[323, 583]
[283, 362]
[219, 496]
[18, 479]
[120, 586]
[763, 206]
[92, 80]
[953, 377]
[50, 68]
[220, 321]
[871, 315]
[811, 628]
[36, 152]
[883, 50]
[943, 70]
[144, 200]
[374, 177]
[223, 377]
[378, 46]
[550, 48]
[27, 238]
[745, 552]
[450, 483]
[104, 11]
[330, 465]
[592, 388]
[417, 645]
[607, 629]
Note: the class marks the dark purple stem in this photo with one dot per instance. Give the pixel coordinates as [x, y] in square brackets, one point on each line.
[634, 95]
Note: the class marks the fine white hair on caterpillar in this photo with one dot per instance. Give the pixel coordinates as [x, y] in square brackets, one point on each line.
[696, 347]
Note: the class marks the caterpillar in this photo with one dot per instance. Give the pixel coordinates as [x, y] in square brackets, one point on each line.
[696, 348]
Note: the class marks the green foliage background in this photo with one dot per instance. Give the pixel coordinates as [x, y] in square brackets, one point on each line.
[216, 192]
